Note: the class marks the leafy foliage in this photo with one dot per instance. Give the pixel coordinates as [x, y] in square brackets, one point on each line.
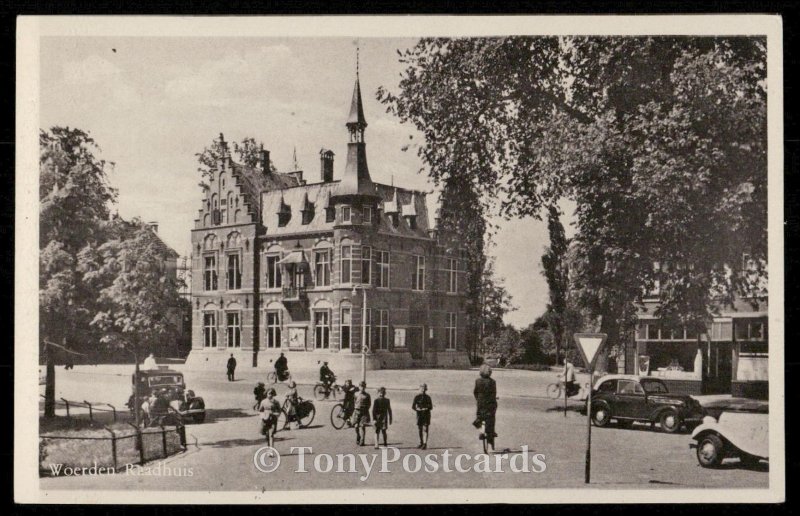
[248, 152]
[660, 141]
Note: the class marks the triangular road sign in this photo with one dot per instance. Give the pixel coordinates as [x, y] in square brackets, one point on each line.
[589, 344]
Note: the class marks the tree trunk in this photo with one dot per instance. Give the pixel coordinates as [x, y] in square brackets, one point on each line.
[50, 382]
[136, 403]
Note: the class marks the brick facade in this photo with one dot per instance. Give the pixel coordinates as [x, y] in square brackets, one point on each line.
[288, 258]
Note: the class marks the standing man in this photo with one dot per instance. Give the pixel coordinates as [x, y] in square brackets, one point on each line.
[270, 409]
[231, 367]
[486, 398]
[281, 367]
[362, 403]
[569, 377]
[423, 405]
[382, 415]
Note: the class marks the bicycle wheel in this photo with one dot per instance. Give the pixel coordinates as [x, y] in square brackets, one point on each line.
[308, 417]
[337, 416]
[319, 392]
[554, 390]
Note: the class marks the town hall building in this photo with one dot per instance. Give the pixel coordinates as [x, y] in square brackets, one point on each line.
[316, 270]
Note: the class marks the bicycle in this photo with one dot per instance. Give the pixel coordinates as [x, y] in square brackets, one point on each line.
[338, 419]
[272, 377]
[323, 391]
[556, 390]
[304, 414]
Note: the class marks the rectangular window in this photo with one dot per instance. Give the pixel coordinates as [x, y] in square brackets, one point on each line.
[345, 326]
[210, 273]
[368, 328]
[347, 214]
[382, 262]
[233, 330]
[367, 214]
[652, 331]
[273, 329]
[210, 330]
[452, 275]
[273, 271]
[418, 273]
[346, 264]
[234, 272]
[322, 268]
[450, 330]
[366, 265]
[330, 214]
[383, 329]
[322, 329]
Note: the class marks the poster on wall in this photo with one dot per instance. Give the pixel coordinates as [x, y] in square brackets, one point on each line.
[400, 337]
[297, 337]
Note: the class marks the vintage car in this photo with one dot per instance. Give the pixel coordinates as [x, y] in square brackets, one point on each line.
[733, 428]
[176, 403]
[629, 398]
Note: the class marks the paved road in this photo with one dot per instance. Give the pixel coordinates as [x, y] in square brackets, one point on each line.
[226, 443]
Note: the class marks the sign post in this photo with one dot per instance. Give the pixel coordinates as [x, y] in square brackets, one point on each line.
[589, 346]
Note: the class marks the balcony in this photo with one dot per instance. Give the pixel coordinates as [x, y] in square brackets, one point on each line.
[294, 294]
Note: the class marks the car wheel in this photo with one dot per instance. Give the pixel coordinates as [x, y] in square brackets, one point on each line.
[710, 451]
[670, 421]
[601, 414]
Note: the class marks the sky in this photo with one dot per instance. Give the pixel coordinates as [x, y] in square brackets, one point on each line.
[151, 103]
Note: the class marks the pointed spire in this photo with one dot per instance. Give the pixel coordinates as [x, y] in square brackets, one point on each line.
[356, 118]
[294, 159]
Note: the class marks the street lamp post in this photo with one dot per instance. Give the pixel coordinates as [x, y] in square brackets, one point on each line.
[363, 330]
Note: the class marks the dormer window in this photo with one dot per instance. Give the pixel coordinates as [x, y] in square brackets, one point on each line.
[284, 213]
[367, 214]
[330, 214]
[308, 215]
[347, 214]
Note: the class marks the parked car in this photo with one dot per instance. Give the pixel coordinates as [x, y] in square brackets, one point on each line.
[178, 402]
[629, 398]
[737, 428]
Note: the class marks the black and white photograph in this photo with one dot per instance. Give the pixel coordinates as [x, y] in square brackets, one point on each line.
[387, 259]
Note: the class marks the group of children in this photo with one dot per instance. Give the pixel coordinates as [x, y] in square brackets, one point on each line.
[270, 409]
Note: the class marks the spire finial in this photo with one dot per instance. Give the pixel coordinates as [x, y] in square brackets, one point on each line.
[357, 56]
[294, 158]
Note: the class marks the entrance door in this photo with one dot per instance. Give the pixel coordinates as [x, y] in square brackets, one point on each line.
[414, 341]
[719, 369]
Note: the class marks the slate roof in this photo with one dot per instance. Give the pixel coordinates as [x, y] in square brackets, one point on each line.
[318, 195]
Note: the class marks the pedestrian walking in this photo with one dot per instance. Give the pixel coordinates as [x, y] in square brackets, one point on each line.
[362, 404]
[382, 416]
[231, 367]
[423, 405]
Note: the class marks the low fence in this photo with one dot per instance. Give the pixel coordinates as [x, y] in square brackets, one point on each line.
[108, 446]
[92, 407]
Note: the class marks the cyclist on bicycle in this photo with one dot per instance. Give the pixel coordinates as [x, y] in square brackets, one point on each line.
[569, 377]
[348, 403]
[326, 376]
[281, 367]
[294, 399]
[486, 398]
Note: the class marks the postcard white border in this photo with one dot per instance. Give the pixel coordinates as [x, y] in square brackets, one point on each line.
[31, 29]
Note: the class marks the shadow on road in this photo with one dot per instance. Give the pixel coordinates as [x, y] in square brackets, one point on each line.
[234, 443]
[214, 415]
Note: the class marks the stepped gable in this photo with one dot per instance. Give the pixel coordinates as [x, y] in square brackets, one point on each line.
[254, 181]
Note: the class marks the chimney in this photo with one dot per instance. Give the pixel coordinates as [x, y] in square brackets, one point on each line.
[326, 165]
[264, 160]
[153, 226]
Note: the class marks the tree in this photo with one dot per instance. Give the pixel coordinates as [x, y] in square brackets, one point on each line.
[556, 271]
[74, 197]
[660, 141]
[495, 303]
[136, 294]
[506, 344]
